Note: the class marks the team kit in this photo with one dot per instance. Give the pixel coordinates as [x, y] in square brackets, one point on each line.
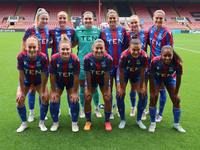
[107, 55]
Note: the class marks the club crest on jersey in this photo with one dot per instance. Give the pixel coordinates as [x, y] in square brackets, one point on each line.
[160, 36]
[158, 68]
[142, 35]
[68, 33]
[95, 31]
[58, 65]
[70, 65]
[171, 69]
[25, 62]
[138, 62]
[56, 32]
[119, 33]
[128, 61]
[38, 64]
[103, 64]
[106, 33]
[91, 64]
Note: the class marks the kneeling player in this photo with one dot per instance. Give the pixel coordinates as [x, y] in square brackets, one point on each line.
[97, 66]
[64, 70]
[163, 69]
[32, 66]
[132, 66]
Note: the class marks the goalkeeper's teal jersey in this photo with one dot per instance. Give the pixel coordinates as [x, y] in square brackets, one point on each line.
[85, 38]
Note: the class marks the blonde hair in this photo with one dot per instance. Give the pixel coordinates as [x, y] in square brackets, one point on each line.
[112, 11]
[135, 16]
[40, 11]
[159, 11]
[33, 37]
[64, 39]
[61, 13]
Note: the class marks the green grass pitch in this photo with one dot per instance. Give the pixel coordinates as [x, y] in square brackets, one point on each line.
[132, 137]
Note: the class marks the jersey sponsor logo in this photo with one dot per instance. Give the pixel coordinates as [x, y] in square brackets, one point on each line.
[132, 69]
[154, 42]
[89, 38]
[97, 72]
[163, 75]
[65, 74]
[32, 72]
[115, 41]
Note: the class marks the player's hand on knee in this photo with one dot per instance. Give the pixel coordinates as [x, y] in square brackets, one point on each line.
[87, 95]
[120, 92]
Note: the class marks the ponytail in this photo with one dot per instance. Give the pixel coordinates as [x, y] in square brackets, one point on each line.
[135, 40]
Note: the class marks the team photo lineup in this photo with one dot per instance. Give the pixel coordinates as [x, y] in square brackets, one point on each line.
[108, 58]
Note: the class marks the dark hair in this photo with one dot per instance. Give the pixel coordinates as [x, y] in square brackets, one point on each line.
[176, 57]
[135, 39]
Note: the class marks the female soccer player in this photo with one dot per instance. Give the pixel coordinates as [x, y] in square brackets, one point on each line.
[132, 64]
[97, 66]
[41, 31]
[55, 35]
[159, 36]
[32, 66]
[85, 36]
[143, 36]
[64, 70]
[116, 41]
[163, 69]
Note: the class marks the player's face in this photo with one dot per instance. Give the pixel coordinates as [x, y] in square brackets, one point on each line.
[32, 48]
[135, 50]
[112, 19]
[43, 20]
[98, 49]
[158, 20]
[65, 51]
[167, 56]
[134, 23]
[88, 21]
[62, 19]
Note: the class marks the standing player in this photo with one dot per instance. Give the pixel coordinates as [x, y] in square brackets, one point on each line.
[162, 70]
[116, 41]
[64, 69]
[132, 66]
[41, 31]
[143, 36]
[85, 36]
[32, 66]
[97, 66]
[159, 36]
[55, 35]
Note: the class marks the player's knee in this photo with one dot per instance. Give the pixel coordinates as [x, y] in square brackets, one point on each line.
[107, 99]
[21, 102]
[176, 103]
[88, 99]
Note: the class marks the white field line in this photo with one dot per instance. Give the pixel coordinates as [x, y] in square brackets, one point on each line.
[186, 49]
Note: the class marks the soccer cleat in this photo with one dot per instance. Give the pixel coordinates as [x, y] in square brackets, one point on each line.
[133, 110]
[158, 118]
[112, 116]
[122, 124]
[147, 113]
[46, 118]
[144, 115]
[87, 125]
[82, 114]
[179, 128]
[54, 127]
[31, 118]
[117, 112]
[97, 113]
[108, 126]
[75, 128]
[22, 127]
[152, 127]
[140, 124]
[42, 127]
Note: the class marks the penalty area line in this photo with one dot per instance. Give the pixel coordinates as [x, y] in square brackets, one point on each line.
[186, 49]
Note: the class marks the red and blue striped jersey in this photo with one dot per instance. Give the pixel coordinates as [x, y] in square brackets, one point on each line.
[97, 68]
[132, 65]
[143, 36]
[158, 39]
[32, 69]
[162, 71]
[55, 34]
[64, 71]
[42, 35]
[116, 42]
